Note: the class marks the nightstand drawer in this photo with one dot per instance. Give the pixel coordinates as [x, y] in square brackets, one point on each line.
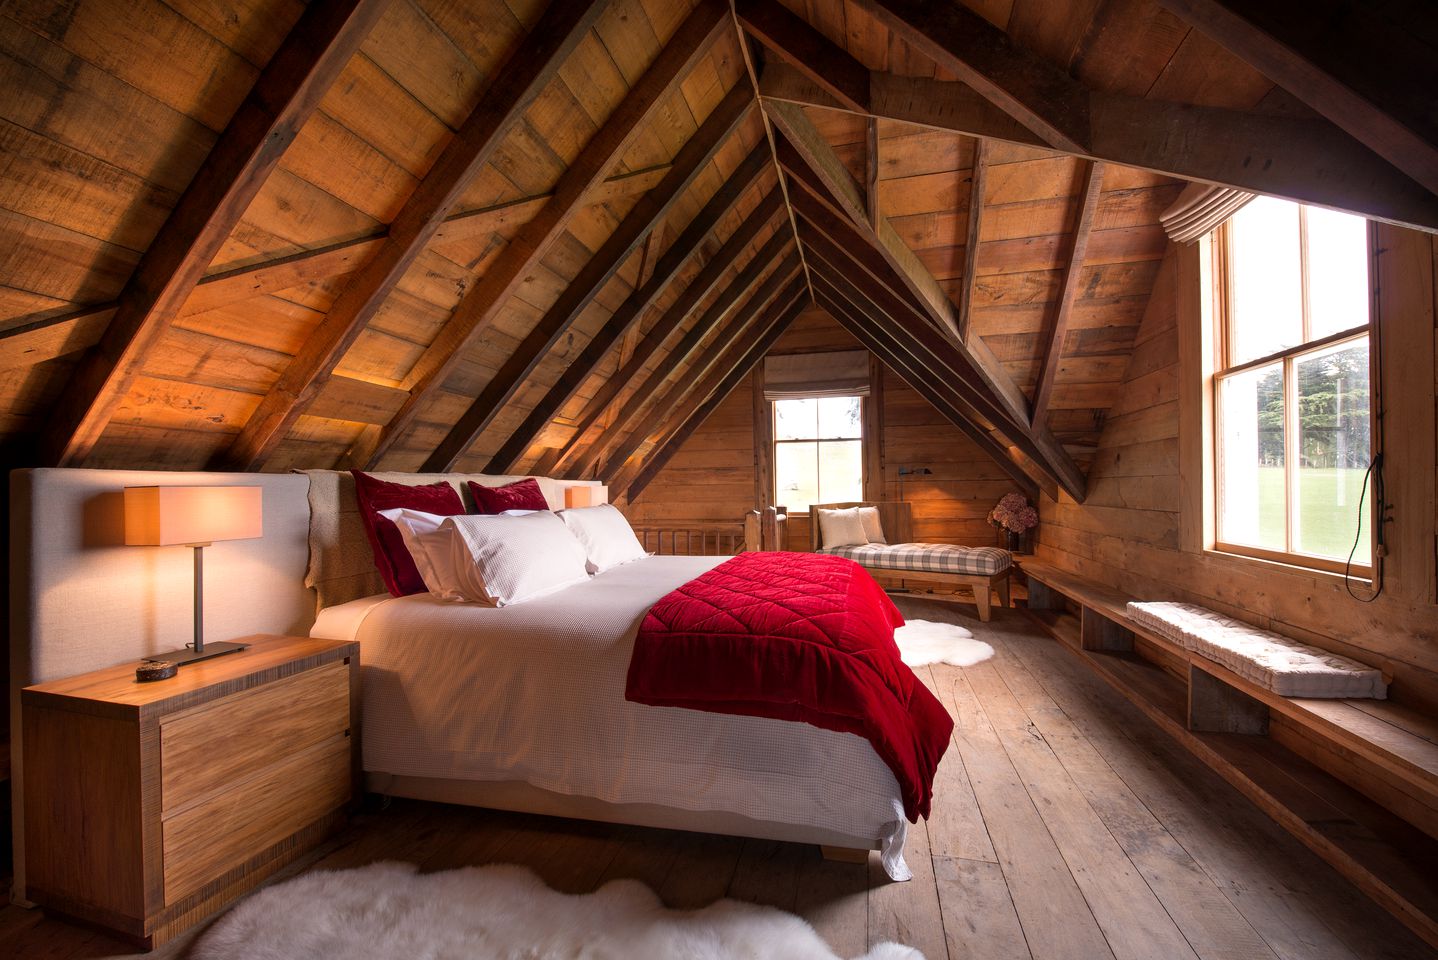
[207, 839]
[214, 746]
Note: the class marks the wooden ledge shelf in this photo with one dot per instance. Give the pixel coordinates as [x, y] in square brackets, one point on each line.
[1375, 824]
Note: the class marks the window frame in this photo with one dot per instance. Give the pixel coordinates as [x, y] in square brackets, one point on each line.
[774, 443]
[1222, 264]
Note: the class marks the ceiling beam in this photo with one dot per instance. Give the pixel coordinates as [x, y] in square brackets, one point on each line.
[1307, 160]
[525, 74]
[576, 460]
[805, 149]
[647, 214]
[661, 274]
[913, 374]
[972, 239]
[781, 284]
[871, 168]
[944, 360]
[790, 38]
[284, 96]
[1053, 343]
[718, 392]
[1375, 83]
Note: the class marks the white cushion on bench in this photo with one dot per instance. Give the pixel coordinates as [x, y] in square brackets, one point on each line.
[1287, 667]
[927, 558]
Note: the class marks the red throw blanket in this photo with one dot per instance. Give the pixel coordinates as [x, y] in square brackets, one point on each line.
[794, 636]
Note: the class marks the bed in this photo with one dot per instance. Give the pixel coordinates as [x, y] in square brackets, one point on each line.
[488, 707]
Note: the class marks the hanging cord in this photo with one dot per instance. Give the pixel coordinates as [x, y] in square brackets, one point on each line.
[1375, 470]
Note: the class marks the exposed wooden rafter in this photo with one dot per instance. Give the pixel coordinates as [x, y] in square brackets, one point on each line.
[576, 460]
[616, 452]
[284, 96]
[716, 394]
[645, 293]
[1304, 159]
[1377, 86]
[791, 39]
[693, 157]
[1053, 340]
[973, 238]
[525, 74]
[869, 334]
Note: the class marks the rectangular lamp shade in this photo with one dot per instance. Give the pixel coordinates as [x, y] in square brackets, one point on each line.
[161, 516]
[585, 496]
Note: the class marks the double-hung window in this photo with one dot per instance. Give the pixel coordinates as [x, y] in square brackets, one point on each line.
[1291, 385]
[818, 451]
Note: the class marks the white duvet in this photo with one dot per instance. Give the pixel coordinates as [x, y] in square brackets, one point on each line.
[535, 692]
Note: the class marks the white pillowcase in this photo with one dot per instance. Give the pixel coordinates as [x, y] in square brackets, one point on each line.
[606, 536]
[873, 527]
[842, 528]
[501, 560]
[429, 549]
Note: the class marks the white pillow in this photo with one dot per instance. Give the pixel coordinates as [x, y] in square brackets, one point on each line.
[842, 528]
[873, 527]
[499, 560]
[431, 553]
[606, 536]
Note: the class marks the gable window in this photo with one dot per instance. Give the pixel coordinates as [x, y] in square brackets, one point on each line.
[1292, 422]
[818, 451]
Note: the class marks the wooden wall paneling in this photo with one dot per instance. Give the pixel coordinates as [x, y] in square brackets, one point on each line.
[651, 209]
[727, 374]
[482, 304]
[763, 431]
[1405, 342]
[519, 83]
[577, 460]
[1201, 143]
[1324, 55]
[645, 295]
[283, 99]
[613, 451]
[972, 237]
[1053, 344]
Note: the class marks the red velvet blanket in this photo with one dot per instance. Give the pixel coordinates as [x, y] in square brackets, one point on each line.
[794, 636]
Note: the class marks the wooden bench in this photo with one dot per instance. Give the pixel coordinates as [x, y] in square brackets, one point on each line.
[897, 520]
[1354, 780]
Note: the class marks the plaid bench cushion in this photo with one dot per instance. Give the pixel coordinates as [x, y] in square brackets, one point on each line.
[926, 558]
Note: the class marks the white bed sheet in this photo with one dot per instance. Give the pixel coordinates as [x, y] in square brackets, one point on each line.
[535, 692]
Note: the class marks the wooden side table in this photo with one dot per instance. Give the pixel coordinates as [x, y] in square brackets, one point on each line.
[148, 806]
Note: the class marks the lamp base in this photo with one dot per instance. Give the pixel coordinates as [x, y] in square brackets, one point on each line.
[181, 657]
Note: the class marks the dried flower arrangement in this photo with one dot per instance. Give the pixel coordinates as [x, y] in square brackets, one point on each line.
[1014, 514]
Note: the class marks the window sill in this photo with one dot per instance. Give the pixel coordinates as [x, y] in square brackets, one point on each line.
[1360, 575]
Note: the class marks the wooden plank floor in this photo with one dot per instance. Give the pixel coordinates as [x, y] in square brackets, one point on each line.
[1065, 826]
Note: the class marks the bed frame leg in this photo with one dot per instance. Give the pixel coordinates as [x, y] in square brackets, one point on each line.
[844, 854]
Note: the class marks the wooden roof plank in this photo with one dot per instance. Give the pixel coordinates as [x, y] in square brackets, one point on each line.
[283, 98]
[482, 303]
[972, 238]
[644, 295]
[715, 395]
[632, 366]
[526, 74]
[1068, 291]
[617, 452]
[650, 210]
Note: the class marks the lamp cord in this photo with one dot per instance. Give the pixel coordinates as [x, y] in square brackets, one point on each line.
[1375, 470]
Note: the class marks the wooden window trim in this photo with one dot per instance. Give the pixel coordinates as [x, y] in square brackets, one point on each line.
[773, 446]
[1216, 289]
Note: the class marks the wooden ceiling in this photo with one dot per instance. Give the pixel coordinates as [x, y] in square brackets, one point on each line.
[550, 236]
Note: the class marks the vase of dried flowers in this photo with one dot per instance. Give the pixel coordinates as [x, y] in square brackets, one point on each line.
[1014, 517]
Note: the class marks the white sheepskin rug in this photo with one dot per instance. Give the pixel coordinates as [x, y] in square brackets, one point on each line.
[923, 641]
[502, 912]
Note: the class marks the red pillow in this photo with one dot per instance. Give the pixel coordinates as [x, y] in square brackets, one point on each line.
[519, 495]
[391, 557]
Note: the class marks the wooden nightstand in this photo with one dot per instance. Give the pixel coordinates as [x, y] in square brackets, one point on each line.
[149, 806]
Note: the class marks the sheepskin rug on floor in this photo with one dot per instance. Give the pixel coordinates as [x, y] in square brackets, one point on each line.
[502, 912]
[924, 641]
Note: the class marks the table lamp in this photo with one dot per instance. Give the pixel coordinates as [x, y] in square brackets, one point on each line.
[193, 517]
